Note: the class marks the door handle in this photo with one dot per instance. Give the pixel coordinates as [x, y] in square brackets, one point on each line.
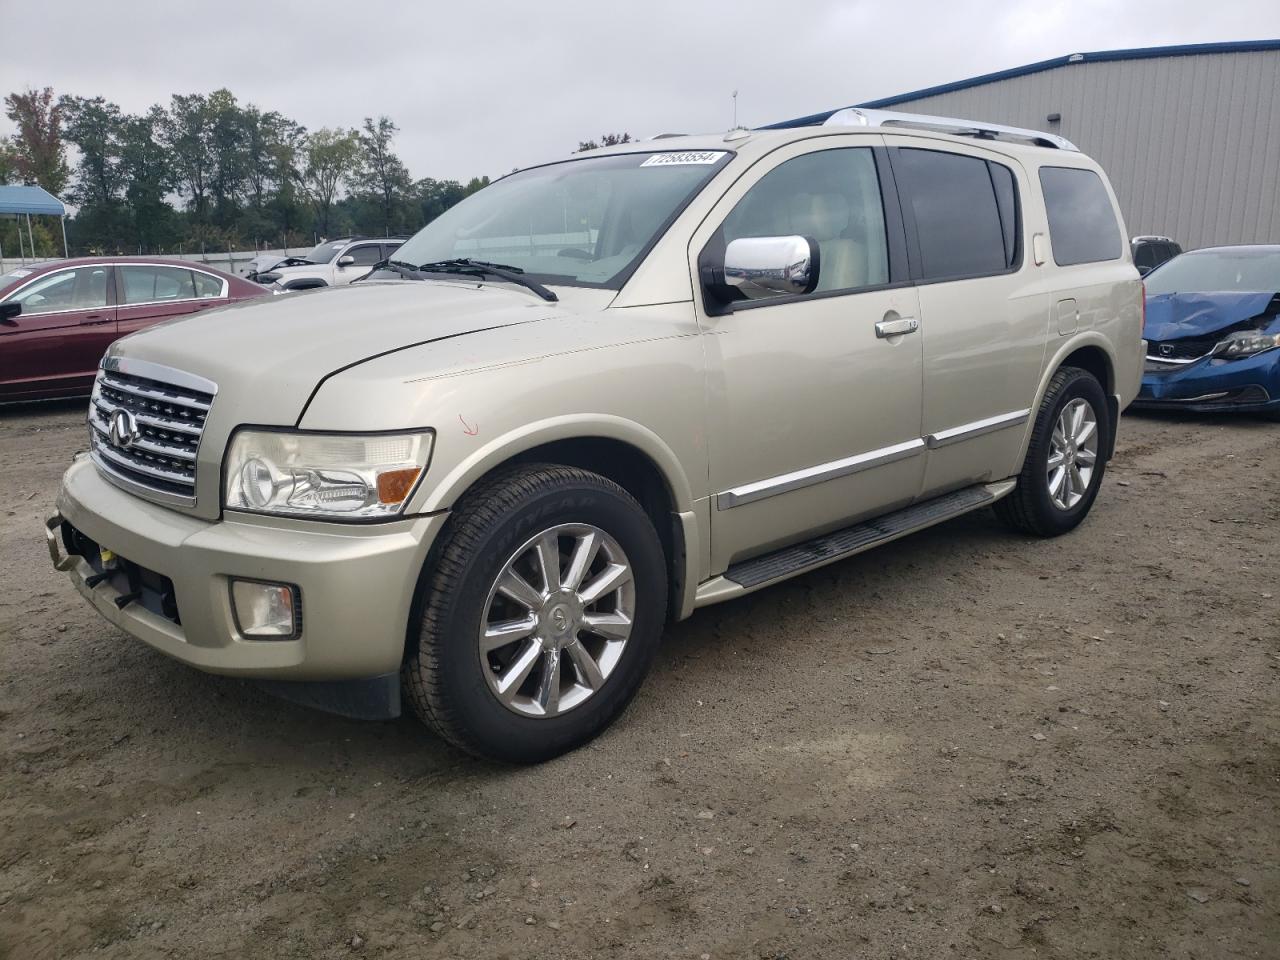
[94, 319]
[895, 328]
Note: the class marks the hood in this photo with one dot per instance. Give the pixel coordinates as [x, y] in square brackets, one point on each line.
[286, 270]
[270, 353]
[1176, 316]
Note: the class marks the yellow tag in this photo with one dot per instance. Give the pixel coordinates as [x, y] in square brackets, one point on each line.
[106, 555]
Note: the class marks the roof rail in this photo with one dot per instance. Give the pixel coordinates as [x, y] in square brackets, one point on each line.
[859, 117]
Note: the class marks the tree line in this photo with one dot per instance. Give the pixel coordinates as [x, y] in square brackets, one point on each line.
[241, 176]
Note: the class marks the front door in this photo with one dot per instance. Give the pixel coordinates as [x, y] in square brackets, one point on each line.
[52, 348]
[814, 406]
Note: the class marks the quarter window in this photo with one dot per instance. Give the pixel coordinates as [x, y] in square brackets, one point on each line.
[1082, 224]
[144, 284]
[965, 211]
[206, 286]
[832, 197]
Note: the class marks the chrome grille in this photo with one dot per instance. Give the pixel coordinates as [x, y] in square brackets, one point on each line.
[153, 449]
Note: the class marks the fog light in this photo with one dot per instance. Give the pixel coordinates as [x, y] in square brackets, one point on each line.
[266, 611]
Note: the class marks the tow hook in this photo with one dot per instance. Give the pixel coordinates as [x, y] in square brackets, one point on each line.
[52, 532]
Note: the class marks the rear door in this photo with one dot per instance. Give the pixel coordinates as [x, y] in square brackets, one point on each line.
[984, 320]
[53, 347]
[149, 293]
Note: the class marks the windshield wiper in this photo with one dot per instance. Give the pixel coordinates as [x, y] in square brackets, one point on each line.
[479, 268]
[397, 266]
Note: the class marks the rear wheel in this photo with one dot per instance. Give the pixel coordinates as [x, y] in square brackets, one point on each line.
[1065, 460]
[540, 615]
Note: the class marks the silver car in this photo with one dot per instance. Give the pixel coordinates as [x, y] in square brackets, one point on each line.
[597, 395]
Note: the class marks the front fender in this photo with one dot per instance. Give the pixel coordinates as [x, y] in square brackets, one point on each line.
[445, 491]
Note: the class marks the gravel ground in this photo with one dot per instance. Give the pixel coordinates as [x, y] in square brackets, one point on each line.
[965, 744]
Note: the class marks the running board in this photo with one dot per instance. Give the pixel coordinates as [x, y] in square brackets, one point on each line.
[863, 536]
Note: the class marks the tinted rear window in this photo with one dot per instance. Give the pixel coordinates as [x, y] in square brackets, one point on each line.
[1082, 225]
[965, 212]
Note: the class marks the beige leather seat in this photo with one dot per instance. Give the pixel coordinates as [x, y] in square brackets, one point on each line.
[825, 218]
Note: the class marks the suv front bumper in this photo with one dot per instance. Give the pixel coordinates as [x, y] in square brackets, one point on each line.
[356, 583]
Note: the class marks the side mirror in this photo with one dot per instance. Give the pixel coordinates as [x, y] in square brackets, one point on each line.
[347, 261]
[8, 311]
[761, 267]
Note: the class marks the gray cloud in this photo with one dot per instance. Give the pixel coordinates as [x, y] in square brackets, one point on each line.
[483, 88]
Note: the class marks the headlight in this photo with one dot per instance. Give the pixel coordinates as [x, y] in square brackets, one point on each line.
[267, 278]
[1245, 343]
[332, 476]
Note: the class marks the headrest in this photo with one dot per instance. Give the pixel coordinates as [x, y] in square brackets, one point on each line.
[823, 216]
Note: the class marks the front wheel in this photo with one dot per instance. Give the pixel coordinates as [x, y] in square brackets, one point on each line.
[1065, 460]
[540, 615]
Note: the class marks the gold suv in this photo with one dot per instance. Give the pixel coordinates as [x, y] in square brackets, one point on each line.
[599, 394]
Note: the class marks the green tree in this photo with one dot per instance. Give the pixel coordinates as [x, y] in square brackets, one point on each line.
[381, 173]
[229, 148]
[185, 131]
[607, 140]
[149, 178]
[329, 158]
[8, 161]
[93, 125]
[40, 153]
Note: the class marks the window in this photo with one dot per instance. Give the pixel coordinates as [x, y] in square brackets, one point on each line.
[389, 249]
[82, 289]
[206, 286]
[365, 255]
[156, 284]
[965, 210]
[1146, 255]
[1082, 225]
[832, 197]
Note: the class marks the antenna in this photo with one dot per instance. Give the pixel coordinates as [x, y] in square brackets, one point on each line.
[735, 110]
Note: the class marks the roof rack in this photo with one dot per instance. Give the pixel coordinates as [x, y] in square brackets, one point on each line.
[859, 117]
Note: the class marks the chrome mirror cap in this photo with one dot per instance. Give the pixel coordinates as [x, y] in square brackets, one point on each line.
[772, 266]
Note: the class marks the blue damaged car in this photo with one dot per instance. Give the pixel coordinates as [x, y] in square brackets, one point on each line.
[1213, 331]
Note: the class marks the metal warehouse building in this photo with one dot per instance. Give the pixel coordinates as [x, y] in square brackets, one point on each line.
[1189, 135]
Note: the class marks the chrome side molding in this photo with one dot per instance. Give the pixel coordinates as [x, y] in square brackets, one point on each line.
[751, 492]
[967, 431]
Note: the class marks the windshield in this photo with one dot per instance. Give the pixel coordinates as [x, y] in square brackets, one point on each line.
[582, 222]
[325, 252]
[1215, 271]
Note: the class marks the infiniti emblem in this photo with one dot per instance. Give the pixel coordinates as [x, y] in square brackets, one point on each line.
[124, 429]
[1166, 350]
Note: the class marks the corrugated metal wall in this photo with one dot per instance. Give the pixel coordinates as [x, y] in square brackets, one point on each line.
[1191, 143]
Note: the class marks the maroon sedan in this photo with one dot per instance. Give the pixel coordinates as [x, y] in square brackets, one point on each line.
[57, 319]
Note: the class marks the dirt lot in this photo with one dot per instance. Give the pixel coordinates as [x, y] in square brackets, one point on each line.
[967, 744]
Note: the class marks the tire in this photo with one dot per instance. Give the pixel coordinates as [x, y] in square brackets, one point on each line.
[499, 528]
[1031, 507]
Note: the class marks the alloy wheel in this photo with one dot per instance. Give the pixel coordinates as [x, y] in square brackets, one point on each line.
[557, 620]
[1073, 454]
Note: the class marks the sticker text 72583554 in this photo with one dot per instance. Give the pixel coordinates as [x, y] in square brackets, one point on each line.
[688, 156]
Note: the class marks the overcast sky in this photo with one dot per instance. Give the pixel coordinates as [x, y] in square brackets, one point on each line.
[481, 88]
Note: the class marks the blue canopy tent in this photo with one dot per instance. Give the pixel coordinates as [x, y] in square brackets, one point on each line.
[22, 202]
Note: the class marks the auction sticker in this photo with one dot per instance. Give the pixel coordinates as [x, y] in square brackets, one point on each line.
[689, 156]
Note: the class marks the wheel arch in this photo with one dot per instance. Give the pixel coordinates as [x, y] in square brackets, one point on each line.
[1088, 351]
[310, 283]
[625, 452]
